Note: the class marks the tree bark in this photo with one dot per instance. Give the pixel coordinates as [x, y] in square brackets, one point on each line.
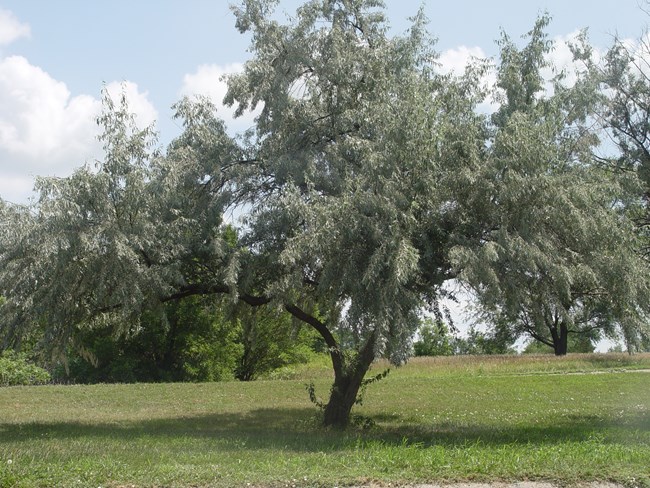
[347, 382]
[348, 374]
[342, 398]
[560, 340]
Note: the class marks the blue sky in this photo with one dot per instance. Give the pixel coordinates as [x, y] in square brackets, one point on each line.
[55, 56]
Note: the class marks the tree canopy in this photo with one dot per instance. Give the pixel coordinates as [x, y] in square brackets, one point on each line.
[560, 256]
[624, 75]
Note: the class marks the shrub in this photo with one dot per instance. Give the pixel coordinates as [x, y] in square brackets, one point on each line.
[435, 340]
[270, 341]
[195, 339]
[15, 369]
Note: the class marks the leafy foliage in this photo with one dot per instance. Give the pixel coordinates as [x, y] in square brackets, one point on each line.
[352, 202]
[190, 341]
[195, 339]
[270, 340]
[436, 339]
[16, 369]
[625, 110]
[558, 255]
[577, 344]
[496, 340]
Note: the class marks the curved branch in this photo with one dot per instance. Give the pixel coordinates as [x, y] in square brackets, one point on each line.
[335, 352]
[256, 301]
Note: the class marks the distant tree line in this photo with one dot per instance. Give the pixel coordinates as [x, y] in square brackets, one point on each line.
[438, 339]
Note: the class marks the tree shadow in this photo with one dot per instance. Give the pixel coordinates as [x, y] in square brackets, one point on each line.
[299, 430]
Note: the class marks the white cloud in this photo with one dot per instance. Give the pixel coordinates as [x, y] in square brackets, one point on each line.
[16, 189]
[561, 54]
[560, 57]
[455, 60]
[561, 60]
[44, 130]
[209, 80]
[639, 49]
[138, 102]
[41, 125]
[11, 28]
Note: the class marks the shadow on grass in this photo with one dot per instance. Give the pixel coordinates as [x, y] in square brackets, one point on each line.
[299, 430]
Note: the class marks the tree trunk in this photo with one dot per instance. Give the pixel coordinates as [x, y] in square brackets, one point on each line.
[347, 382]
[245, 371]
[344, 395]
[348, 374]
[560, 340]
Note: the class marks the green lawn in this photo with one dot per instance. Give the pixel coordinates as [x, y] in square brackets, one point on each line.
[435, 420]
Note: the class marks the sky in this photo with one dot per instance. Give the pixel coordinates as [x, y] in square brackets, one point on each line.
[56, 56]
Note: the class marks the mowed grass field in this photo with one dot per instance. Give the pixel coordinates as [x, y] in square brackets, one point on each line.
[574, 419]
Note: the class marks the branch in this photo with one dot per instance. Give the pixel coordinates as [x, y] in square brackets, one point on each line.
[256, 301]
[201, 289]
[537, 337]
[586, 330]
[259, 300]
[335, 352]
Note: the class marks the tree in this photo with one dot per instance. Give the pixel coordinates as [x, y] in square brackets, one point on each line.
[625, 75]
[496, 340]
[435, 339]
[355, 160]
[197, 338]
[559, 258]
[581, 343]
[191, 340]
[270, 340]
[349, 186]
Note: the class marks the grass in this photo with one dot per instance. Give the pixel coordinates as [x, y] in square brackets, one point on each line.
[442, 419]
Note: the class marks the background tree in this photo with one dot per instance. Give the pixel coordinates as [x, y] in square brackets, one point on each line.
[107, 244]
[196, 338]
[270, 340]
[189, 340]
[435, 339]
[560, 256]
[497, 339]
[581, 343]
[625, 75]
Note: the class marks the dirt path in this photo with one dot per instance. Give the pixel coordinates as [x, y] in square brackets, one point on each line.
[565, 373]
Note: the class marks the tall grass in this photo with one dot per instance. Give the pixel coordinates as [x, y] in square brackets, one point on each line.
[528, 364]
[485, 365]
